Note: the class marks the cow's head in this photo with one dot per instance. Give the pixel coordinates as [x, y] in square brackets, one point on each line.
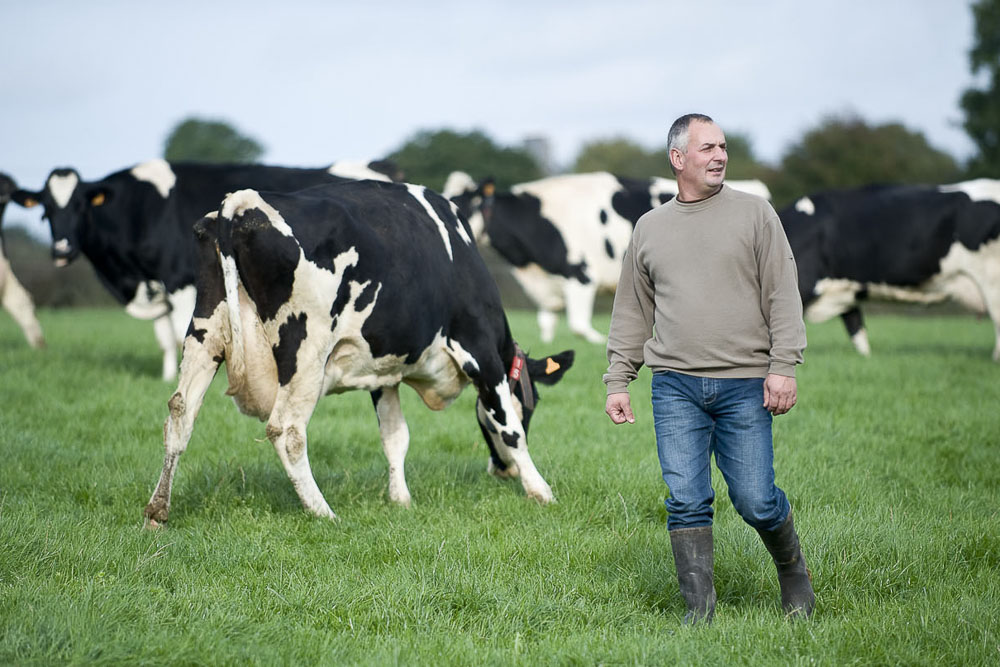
[473, 200]
[7, 188]
[65, 201]
[526, 374]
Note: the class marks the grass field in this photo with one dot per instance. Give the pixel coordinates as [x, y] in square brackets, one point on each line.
[891, 463]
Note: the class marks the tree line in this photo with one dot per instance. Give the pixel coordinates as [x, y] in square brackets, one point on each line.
[843, 150]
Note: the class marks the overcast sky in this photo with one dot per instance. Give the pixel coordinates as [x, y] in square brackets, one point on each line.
[97, 85]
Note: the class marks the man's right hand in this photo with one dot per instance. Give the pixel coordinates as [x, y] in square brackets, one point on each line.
[619, 408]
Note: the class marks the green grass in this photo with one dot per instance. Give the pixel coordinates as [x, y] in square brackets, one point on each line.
[892, 464]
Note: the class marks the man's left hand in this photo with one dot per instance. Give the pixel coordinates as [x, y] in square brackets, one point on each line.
[779, 393]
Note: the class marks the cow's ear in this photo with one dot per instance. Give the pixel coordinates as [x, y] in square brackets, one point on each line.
[487, 187]
[98, 196]
[550, 369]
[25, 198]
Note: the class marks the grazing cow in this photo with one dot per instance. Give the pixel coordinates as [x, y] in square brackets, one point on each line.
[135, 228]
[911, 243]
[13, 296]
[360, 285]
[564, 236]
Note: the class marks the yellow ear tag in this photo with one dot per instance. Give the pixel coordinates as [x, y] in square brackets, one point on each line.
[489, 189]
[551, 366]
[30, 203]
[97, 199]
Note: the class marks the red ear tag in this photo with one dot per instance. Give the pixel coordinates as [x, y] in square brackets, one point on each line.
[515, 368]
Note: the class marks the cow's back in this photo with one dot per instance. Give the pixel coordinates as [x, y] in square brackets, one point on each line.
[398, 250]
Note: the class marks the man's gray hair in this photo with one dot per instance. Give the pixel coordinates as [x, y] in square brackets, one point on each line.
[677, 137]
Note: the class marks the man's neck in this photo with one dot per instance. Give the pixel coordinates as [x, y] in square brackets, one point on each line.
[693, 197]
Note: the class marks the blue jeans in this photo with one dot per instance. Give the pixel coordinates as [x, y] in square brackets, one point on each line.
[698, 416]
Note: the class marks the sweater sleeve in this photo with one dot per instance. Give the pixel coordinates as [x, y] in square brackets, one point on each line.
[631, 321]
[779, 297]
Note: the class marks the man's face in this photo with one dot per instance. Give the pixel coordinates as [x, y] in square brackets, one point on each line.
[702, 168]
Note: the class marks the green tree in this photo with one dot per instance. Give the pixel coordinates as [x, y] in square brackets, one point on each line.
[844, 151]
[199, 140]
[430, 155]
[982, 105]
[624, 157]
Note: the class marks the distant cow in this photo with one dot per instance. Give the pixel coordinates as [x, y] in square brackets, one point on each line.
[135, 228]
[920, 244]
[362, 285]
[564, 236]
[13, 296]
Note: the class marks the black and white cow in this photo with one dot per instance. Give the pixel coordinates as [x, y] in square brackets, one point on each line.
[564, 236]
[911, 243]
[13, 296]
[135, 228]
[360, 285]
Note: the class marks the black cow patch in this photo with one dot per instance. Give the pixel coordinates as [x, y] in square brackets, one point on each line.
[609, 249]
[270, 282]
[290, 337]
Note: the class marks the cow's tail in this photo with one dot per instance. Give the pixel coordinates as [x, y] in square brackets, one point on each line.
[236, 367]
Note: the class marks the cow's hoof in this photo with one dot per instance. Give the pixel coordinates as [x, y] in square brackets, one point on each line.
[510, 472]
[543, 496]
[402, 501]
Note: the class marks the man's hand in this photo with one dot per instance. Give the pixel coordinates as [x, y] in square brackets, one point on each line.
[619, 408]
[779, 394]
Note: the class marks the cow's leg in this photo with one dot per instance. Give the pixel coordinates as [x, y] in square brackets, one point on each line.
[395, 440]
[201, 361]
[505, 435]
[164, 330]
[547, 321]
[855, 323]
[18, 303]
[580, 309]
[546, 292]
[286, 429]
[991, 297]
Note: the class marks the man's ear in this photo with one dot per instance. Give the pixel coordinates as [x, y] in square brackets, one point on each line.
[676, 158]
[25, 198]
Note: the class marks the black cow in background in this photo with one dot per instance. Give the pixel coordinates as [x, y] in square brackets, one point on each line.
[565, 236]
[910, 243]
[135, 228]
[13, 296]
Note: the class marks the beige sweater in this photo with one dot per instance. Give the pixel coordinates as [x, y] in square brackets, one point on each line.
[707, 288]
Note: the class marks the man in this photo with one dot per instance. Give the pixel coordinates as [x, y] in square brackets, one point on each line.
[708, 299]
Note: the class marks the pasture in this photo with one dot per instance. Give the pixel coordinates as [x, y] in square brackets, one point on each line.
[892, 465]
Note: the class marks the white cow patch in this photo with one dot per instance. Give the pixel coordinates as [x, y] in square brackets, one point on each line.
[241, 201]
[61, 188]
[661, 186]
[805, 205]
[158, 173]
[181, 309]
[458, 183]
[981, 189]
[149, 302]
[417, 191]
[357, 170]
[834, 296]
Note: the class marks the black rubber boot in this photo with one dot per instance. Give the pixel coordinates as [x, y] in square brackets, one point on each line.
[797, 598]
[694, 561]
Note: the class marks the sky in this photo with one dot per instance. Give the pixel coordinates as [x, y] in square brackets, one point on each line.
[98, 85]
